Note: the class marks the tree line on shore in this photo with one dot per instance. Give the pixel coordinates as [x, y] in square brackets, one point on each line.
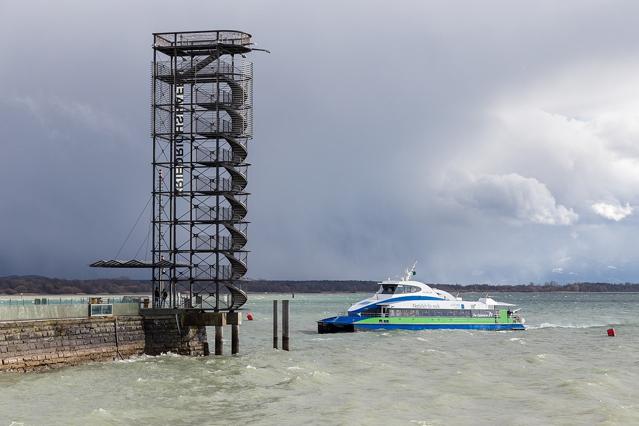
[31, 284]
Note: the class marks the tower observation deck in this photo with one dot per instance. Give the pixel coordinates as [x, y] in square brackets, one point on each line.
[201, 123]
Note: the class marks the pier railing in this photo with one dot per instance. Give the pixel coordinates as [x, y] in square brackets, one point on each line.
[46, 307]
[53, 300]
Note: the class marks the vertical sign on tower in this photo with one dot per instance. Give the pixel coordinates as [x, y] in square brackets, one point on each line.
[179, 139]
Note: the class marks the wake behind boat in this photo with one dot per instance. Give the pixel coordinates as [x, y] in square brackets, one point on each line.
[412, 305]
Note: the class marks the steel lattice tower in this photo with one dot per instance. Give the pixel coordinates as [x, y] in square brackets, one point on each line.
[202, 121]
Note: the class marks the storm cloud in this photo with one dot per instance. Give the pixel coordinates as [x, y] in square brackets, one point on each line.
[491, 141]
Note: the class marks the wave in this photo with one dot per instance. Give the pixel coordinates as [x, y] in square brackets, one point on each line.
[551, 325]
[135, 358]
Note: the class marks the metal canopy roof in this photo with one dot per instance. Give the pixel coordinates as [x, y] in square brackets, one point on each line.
[133, 264]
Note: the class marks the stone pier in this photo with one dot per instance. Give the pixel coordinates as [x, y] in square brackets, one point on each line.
[44, 344]
[171, 331]
[32, 345]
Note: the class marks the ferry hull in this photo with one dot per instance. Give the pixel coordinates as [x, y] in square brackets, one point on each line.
[327, 327]
[353, 323]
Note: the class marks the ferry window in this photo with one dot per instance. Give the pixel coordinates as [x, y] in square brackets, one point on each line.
[387, 289]
[410, 289]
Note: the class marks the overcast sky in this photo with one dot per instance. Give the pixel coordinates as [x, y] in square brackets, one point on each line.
[492, 141]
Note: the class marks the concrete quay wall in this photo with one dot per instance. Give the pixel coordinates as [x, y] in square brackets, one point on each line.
[42, 344]
[168, 334]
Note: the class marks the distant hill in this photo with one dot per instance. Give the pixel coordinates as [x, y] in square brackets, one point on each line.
[34, 284]
[370, 286]
[42, 285]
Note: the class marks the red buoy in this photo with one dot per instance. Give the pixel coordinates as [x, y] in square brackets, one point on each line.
[249, 316]
[611, 332]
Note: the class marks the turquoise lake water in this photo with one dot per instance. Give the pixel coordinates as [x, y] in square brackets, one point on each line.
[563, 370]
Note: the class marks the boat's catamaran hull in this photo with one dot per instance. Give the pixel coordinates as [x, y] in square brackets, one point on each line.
[350, 323]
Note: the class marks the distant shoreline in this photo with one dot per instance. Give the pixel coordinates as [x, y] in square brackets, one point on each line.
[37, 285]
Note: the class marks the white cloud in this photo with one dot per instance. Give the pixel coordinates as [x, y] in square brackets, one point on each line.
[575, 128]
[516, 197]
[614, 212]
[558, 270]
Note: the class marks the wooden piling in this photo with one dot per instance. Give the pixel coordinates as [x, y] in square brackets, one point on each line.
[285, 325]
[275, 324]
[218, 340]
[235, 339]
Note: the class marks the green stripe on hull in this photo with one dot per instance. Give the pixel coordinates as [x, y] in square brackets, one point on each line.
[435, 320]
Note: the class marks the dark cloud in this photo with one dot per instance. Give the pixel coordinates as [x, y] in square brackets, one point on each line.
[460, 134]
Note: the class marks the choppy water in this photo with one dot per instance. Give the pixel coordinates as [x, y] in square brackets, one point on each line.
[563, 370]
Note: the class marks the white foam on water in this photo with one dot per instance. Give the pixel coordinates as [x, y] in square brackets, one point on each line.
[421, 422]
[101, 412]
[580, 326]
[136, 358]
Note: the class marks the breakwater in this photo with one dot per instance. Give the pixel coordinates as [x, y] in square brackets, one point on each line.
[43, 344]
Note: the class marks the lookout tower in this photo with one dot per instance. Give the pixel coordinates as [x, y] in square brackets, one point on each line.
[201, 123]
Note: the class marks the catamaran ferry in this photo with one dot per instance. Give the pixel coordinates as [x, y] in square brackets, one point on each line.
[412, 305]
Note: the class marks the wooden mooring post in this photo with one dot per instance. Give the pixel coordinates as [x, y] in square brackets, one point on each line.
[275, 324]
[235, 339]
[234, 319]
[218, 340]
[285, 325]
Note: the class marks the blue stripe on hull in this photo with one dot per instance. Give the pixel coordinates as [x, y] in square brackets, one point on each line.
[439, 326]
[342, 320]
